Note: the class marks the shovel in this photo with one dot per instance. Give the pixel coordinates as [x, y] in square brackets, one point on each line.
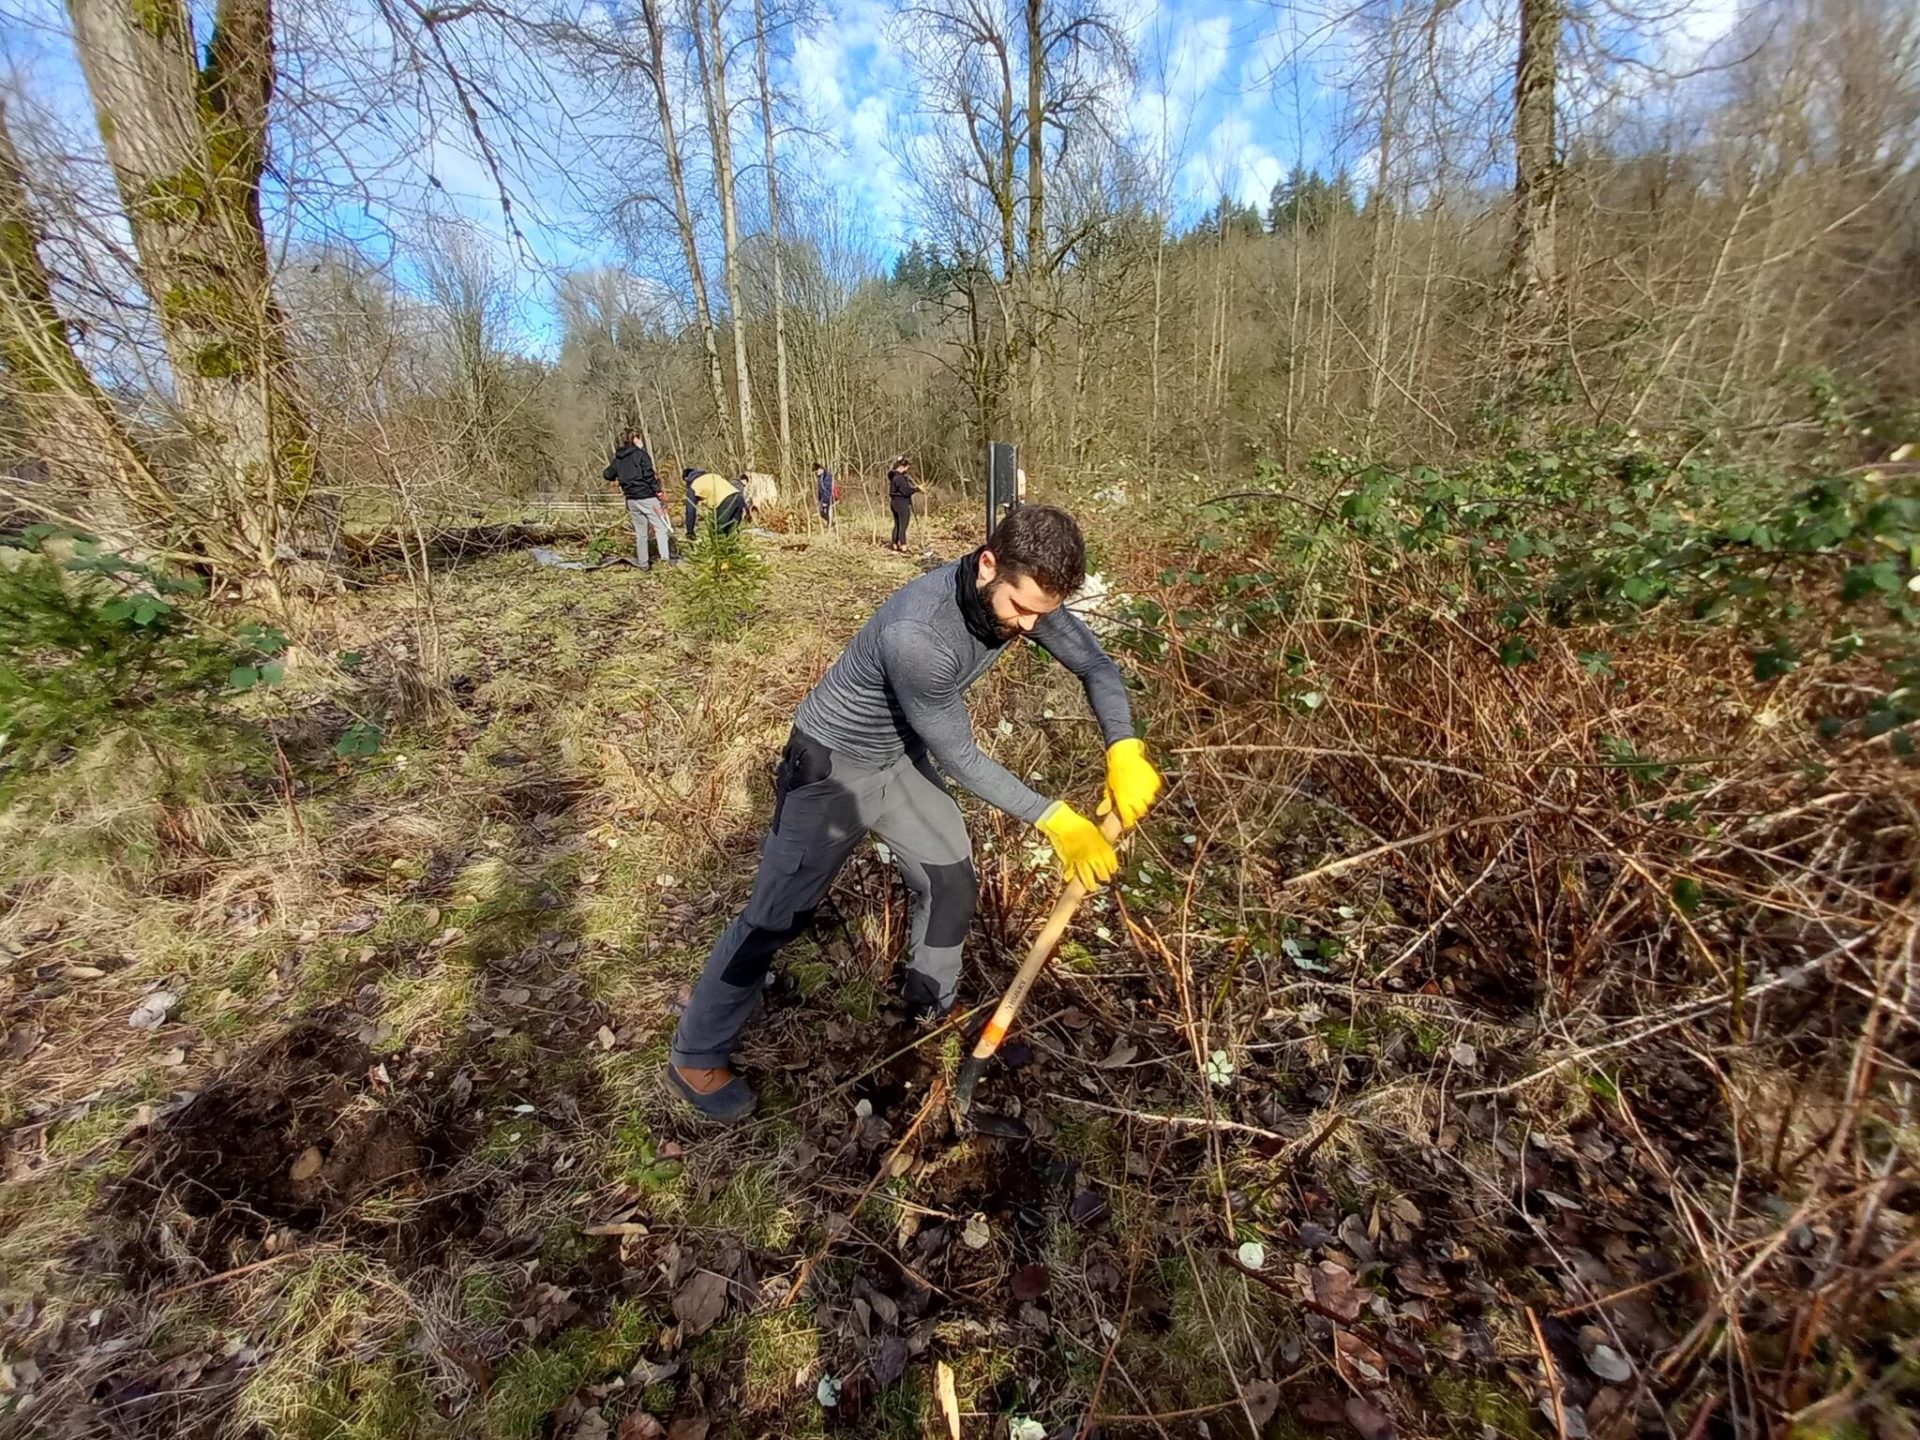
[1038, 954]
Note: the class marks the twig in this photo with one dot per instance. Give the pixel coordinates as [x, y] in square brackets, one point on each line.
[225, 1275]
[1334, 867]
[1553, 1375]
[935, 1094]
[1189, 1122]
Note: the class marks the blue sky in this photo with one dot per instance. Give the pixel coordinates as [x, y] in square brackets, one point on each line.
[1230, 94]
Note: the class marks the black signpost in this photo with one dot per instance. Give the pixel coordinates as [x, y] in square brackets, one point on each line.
[1003, 480]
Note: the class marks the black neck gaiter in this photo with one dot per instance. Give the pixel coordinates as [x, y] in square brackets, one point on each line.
[975, 609]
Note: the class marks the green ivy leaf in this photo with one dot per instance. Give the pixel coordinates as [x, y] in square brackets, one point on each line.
[273, 672]
[148, 610]
[242, 677]
[116, 610]
[1596, 662]
[1776, 660]
[1516, 651]
[361, 738]
[1687, 894]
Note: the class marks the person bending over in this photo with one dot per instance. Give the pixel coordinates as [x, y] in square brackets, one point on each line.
[862, 757]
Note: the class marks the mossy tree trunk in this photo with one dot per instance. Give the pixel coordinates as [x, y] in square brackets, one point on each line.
[1533, 267]
[98, 473]
[186, 136]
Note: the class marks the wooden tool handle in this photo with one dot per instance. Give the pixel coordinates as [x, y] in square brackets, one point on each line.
[1038, 954]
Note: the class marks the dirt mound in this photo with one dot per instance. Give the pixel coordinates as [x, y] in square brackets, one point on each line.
[297, 1133]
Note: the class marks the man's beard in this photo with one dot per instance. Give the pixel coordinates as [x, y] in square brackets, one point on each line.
[1004, 628]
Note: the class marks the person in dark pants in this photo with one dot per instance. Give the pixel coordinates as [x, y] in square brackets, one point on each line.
[900, 493]
[862, 758]
[725, 500]
[825, 491]
[688, 476]
[632, 470]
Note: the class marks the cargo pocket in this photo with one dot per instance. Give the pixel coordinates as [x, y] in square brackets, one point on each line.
[781, 886]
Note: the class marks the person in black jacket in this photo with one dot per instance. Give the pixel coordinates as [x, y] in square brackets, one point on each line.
[900, 493]
[632, 470]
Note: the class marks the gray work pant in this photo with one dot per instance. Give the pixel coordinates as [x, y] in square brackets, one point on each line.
[646, 513]
[824, 804]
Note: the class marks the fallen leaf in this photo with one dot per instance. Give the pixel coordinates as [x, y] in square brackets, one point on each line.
[1088, 1206]
[514, 996]
[1369, 1419]
[307, 1166]
[1320, 1409]
[689, 1427]
[22, 1040]
[175, 1057]
[1464, 1055]
[641, 1426]
[1406, 1211]
[1357, 1361]
[1353, 1235]
[1253, 1254]
[889, 1361]
[1609, 1364]
[652, 1372]
[1025, 1427]
[357, 923]
[1572, 1418]
[1261, 1399]
[1334, 1292]
[606, 1037]
[1413, 1279]
[827, 1392]
[949, 1401]
[975, 1234]
[1123, 1053]
[1029, 1281]
[152, 1012]
[1559, 1202]
[701, 1302]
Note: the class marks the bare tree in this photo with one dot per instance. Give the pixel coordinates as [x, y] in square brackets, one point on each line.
[773, 226]
[710, 49]
[1533, 268]
[683, 214]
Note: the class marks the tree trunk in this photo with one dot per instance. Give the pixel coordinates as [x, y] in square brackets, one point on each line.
[1036, 210]
[709, 47]
[773, 222]
[1533, 272]
[99, 474]
[187, 145]
[682, 212]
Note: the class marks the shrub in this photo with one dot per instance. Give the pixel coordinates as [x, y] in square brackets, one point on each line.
[718, 586]
[93, 644]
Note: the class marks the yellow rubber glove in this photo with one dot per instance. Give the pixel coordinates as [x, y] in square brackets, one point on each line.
[1084, 852]
[1132, 782]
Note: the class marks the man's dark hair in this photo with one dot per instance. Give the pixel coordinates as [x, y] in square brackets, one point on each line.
[1042, 541]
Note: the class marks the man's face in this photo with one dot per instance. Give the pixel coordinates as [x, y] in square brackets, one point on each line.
[1018, 602]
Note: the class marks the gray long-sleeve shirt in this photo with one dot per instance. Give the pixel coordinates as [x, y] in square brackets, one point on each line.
[903, 679]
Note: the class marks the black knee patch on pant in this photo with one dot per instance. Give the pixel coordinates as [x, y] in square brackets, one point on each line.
[754, 958]
[920, 994]
[950, 909]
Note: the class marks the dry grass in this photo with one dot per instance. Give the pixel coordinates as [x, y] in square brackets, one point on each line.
[486, 924]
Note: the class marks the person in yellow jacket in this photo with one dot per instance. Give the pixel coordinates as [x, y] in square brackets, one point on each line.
[725, 500]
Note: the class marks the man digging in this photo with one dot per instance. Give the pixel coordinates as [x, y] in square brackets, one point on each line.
[862, 758]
